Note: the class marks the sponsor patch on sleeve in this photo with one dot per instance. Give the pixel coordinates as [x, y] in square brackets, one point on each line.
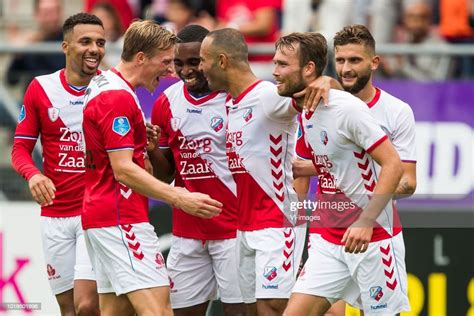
[121, 125]
[22, 115]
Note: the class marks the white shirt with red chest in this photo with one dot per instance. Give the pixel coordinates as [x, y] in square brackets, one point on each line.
[194, 129]
[113, 121]
[52, 110]
[260, 148]
[341, 136]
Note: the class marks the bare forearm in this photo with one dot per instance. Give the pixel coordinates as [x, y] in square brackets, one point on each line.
[389, 178]
[404, 189]
[136, 178]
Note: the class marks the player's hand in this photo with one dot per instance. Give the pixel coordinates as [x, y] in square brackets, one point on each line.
[152, 135]
[314, 92]
[42, 189]
[357, 237]
[303, 168]
[197, 204]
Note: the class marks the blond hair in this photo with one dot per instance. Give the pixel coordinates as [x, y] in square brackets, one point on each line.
[147, 37]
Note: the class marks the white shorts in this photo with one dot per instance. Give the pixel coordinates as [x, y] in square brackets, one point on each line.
[65, 252]
[268, 261]
[200, 269]
[126, 258]
[375, 280]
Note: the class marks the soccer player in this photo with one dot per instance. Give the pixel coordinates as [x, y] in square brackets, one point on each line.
[355, 62]
[260, 142]
[52, 110]
[193, 121]
[359, 251]
[123, 245]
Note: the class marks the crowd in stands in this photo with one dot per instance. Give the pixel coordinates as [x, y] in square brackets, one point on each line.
[420, 22]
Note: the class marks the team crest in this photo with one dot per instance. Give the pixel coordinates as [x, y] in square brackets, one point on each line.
[175, 123]
[160, 261]
[248, 115]
[270, 273]
[217, 123]
[121, 125]
[324, 137]
[53, 114]
[22, 115]
[376, 293]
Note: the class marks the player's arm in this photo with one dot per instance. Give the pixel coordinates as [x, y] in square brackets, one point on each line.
[407, 185]
[136, 178]
[317, 90]
[41, 187]
[359, 234]
[163, 164]
[303, 168]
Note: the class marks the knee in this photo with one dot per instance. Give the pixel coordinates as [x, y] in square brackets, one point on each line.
[89, 307]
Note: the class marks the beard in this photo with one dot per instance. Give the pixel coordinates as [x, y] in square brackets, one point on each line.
[358, 85]
[292, 87]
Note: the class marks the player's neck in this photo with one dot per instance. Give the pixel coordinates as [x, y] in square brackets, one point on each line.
[368, 93]
[240, 83]
[75, 79]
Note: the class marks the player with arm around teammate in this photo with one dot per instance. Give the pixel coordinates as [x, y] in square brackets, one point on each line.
[358, 252]
[193, 120]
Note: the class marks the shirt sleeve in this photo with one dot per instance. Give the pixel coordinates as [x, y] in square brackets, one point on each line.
[276, 107]
[160, 115]
[355, 123]
[303, 151]
[26, 134]
[404, 136]
[116, 122]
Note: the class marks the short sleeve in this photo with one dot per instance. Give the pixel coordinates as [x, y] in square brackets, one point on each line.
[355, 123]
[160, 116]
[276, 107]
[403, 138]
[115, 122]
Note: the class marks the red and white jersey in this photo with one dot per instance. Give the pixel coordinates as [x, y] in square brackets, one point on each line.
[113, 120]
[341, 136]
[52, 110]
[194, 130]
[260, 148]
[396, 119]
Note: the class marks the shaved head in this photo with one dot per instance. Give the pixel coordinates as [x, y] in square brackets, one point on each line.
[229, 42]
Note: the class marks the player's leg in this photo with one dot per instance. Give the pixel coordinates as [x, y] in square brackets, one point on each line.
[111, 305]
[324, 280]
[278, 255]
[58, 238]
[337, 309]
[133, 264]
[306, 304]
[86, 299]
[381, 277]
[192, 284]
[246, 272]
[152, 301]
[224, 264]
[66, 303]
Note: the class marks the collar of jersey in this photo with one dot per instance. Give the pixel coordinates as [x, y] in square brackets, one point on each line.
[246, 91]
[198, 101]
[115, 71]
[375, 99]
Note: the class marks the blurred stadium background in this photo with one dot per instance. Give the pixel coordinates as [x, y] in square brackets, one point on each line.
[439, 218]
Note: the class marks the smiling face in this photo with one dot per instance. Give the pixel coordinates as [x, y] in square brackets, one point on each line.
[186, 64]
[354, 66]
[84, 48]
[287, 71]
[209, 66]
[155, 67]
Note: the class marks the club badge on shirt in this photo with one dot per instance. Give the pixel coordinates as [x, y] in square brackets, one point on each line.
[53, 114]
[121, 125]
